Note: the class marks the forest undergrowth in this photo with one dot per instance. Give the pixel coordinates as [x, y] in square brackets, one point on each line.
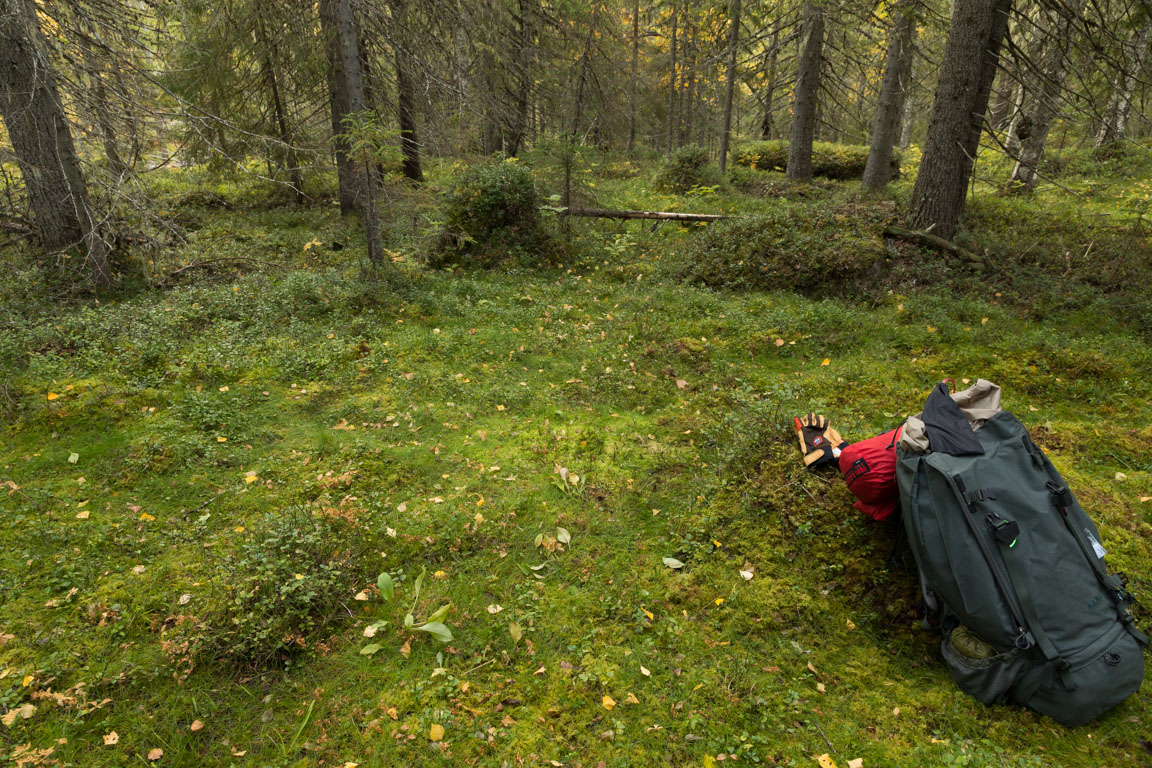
[589, 461]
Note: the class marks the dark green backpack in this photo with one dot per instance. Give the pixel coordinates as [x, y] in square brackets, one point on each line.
[1006, 553]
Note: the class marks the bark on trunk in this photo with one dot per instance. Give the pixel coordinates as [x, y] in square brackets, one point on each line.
[766, 122]
[1120, 105]
[269, 55]
[42, 139]
[634, 75]
[345, 95]
[672, 85]
[405, 96]
[966, 76]
[729, 83]
[100, 110]
[878, 171]
[807, 89]
[528, 9]
[909, 119]
[1045, 104]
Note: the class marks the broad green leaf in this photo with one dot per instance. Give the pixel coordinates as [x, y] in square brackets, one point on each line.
[387, 588]
[672, 562]
[563, 536]
[440, 613]
[409, 619]
[516, 632]
[368, 650]
[537, 567]
[437, 630]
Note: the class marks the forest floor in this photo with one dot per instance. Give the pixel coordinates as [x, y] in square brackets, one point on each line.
[165, 450]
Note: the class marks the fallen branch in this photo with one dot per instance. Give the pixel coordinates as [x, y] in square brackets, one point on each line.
[929, 240]
[600, 213]
[209, 263]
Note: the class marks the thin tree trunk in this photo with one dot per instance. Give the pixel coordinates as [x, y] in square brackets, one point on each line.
[566, 197]
[909, 119]
[635, 75]
[524, 74]
[766, 123]
[42, 139]
[878, 169]
[690, 88]
[966, 76]
[405, 96]
[807, 89]
[729, 83]
[1045, 107]
[100, 110]
[1120, 105]
[345, 95]
[672, 85]
[268, 53]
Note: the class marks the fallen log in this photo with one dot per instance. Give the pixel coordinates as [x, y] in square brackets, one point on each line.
[600, 213]
[929, 240]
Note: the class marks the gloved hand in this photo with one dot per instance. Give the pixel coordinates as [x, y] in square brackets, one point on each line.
[819, 442]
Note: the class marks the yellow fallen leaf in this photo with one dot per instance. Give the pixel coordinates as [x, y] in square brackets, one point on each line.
[146, 517]
[361, 595]
[857, 763]
[250, 477]
[436, 732]
[648, 613]
[820, 687]
[983, 321]
[239, 752]
[812, 668]
[850, 624]
[224, 388]
[826, 361]
[111, 738]
[221, 439]
[499, 407]
[1145, 499]
[196, 726]
[155, 754]
[645, 671]
[82, 514]
[27, 681]
[239, 529]
[825, 761]
[607, 702]
[52, 395]
[719, 600]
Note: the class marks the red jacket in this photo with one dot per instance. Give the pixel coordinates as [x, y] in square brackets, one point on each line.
[869, 468]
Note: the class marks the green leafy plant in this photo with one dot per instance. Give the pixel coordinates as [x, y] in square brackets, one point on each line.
[688, 168]
[433, 624]
[491, 212]
[832, 161]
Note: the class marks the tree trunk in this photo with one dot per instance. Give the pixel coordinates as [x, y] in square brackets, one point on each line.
[909, 120]
[635, 75]
[268, 55]
[729, 83]
[766, 126]
[405, 96]
[688, 88]
[807, 90]
[524, 76]
[582, 77]
[897, 67]
[42, 139]
[1115, 123]
[672, 85]
[1046, 102]
[101, 113]
[966, 76]
[345, 95]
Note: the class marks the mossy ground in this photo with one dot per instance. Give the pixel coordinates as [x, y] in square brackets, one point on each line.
[430, 410]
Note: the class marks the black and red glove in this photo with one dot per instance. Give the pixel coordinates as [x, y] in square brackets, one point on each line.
[819, 442]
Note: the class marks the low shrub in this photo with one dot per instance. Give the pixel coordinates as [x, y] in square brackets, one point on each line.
[816, 250]
[832, 161]
[686, 169]
[274, 594]
[490, 213]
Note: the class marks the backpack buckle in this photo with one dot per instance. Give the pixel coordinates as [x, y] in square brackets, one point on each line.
[1005, 531]
[1061, 496]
